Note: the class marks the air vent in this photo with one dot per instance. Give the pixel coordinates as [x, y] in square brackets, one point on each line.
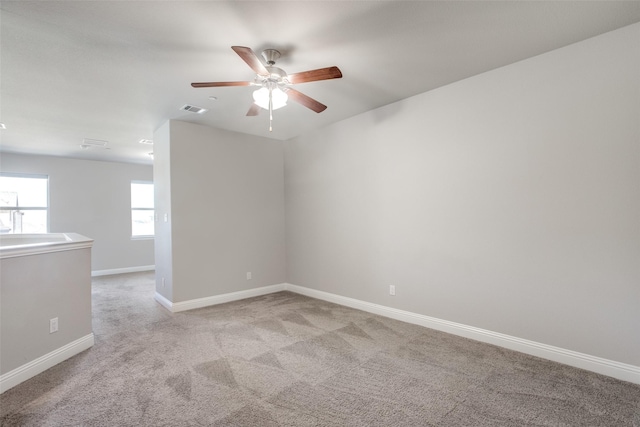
[194, 109]
[94, 143]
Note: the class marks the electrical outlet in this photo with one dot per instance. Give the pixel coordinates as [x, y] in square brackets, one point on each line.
[392, 289]
[53, 325]
[248, 275]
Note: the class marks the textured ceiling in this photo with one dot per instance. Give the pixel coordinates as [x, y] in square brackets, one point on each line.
[117, 70]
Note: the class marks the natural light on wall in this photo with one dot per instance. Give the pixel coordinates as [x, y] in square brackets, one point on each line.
[142, 213]
[24, 203]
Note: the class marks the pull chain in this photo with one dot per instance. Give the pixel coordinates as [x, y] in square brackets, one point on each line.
[270, 108]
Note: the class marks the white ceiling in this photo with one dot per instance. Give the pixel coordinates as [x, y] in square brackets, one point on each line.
[117, 70]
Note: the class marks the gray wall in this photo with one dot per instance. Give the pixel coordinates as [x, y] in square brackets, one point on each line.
[93, 199]
[225, 192]
[63, 283]
[509, 201]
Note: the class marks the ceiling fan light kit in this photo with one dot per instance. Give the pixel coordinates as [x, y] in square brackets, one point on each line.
[263, 96]
[274, 82]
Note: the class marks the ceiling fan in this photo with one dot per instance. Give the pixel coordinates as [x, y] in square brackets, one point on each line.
[275, 84]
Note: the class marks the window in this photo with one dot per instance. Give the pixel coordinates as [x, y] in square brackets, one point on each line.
[142, 213]
[24, 203]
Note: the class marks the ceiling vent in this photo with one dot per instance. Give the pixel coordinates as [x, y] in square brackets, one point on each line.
[94, 143]
[194, 109]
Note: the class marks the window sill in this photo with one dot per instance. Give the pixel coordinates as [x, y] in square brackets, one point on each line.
[142, 237]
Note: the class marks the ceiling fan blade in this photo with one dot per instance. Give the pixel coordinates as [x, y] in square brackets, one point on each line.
[253, 110]
[221, 84]
[251, 59]
[308, 102]
[315, 75]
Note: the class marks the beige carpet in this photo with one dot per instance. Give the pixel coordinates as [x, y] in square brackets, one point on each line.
[289, 360]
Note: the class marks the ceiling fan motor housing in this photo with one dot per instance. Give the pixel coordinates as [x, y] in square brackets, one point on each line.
[271, 56]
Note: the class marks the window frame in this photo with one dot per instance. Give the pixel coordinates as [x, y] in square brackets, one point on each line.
[30, 208]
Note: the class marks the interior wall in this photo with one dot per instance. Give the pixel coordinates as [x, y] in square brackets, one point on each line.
[509, 201]
[36, 288]
[226, 193]
[162, 206]
[91, 198]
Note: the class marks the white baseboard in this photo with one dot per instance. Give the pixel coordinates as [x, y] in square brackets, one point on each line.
[137, 269]
[175, 307]
[163, 301]
[596, 364]
[41, 364]
[621, 371]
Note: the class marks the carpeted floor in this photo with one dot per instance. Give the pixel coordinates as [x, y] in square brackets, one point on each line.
[288, 360]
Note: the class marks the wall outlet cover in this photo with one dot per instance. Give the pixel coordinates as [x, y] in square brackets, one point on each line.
[53, 325]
